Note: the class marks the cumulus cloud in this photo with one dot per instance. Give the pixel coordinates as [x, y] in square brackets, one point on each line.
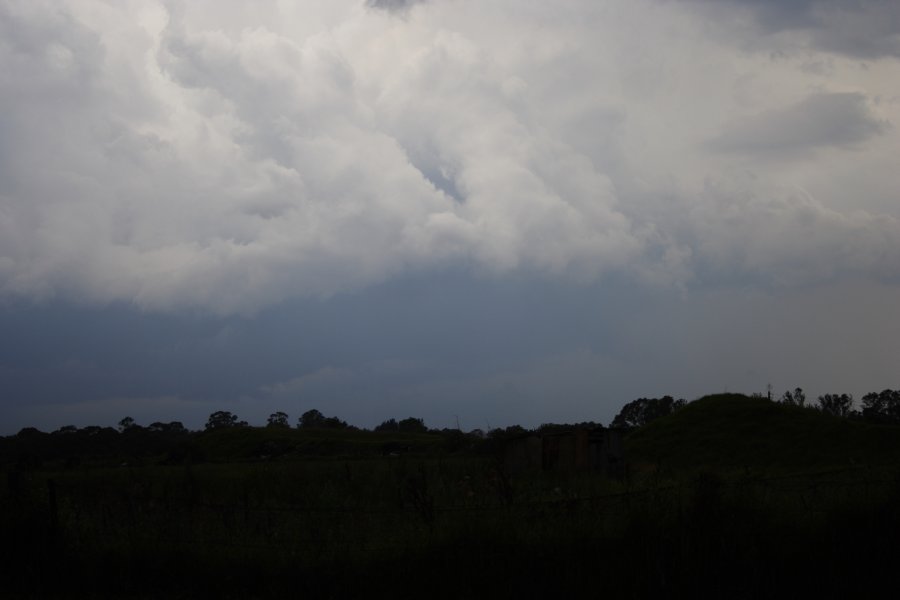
[785, 237]
[820, 120]
[214, 156]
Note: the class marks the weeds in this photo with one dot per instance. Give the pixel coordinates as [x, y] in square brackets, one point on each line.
[343, 528]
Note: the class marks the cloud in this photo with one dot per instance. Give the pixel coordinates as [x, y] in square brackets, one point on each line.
[325, 377]
[785, 237]
[864, 29]
[245, 169]
[393, 5]
[817, 121]
[216, 158]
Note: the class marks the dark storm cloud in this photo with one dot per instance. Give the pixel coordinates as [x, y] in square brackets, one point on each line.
[489, 351]
[820, 120]
[479, 206]
[866, 29]
[350, 350]
[393, 5]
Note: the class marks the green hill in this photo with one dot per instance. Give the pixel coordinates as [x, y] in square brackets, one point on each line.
[737, 431]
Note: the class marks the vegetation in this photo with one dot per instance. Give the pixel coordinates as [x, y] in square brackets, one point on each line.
[741, 432]
[725, 496]
[644, 411]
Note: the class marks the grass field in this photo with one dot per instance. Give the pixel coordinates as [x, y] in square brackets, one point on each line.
[709, 508]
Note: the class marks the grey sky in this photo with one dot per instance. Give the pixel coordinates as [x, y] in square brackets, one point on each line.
[496, 210]
[864, 29]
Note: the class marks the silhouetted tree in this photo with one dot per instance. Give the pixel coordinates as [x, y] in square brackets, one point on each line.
[169, 428]
[278, 419]
[313, 419]
[882, 406]
[310, 419]
[126, 423]
[839, 405]
[221, 419]
[334, 423]
[795, 398]
[642, 411]
[412, 425]
[511, 431]
[389, 425]
[30, 432]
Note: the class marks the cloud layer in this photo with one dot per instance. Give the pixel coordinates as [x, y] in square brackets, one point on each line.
[227, 157]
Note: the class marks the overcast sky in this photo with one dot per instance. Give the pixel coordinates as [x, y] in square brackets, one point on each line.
[496, 211]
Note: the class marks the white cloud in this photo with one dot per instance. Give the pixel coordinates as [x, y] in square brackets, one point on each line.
[227, 156]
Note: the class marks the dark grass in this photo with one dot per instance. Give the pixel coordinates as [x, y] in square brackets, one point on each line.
[237, 443]
[731, 497]
[252, 530]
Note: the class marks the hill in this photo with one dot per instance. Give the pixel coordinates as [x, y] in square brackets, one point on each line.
[738, 431]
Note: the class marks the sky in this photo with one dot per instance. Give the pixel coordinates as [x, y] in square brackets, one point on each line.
[481, 213]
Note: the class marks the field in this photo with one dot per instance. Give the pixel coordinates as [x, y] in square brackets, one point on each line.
[690, 519]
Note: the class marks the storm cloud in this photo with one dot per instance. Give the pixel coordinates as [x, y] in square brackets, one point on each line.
[220, 162]
[179, 160]
[821, 120]
[863, 29]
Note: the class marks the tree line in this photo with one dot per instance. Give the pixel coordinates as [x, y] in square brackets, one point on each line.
[876, 407]
[311, 419]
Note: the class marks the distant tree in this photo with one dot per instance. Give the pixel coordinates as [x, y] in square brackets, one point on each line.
[502, 434]
[554, 427]
[839, 405]
[334, 423]
[221, 419]
[67, 429]
[126, 423]
[882, 406]
[389, 425]
[795, 398]
[412, 425]
[642, 411]
[278, 419]
[311, 419]
[171, 427]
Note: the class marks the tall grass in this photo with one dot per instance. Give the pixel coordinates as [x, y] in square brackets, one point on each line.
[445, 528]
